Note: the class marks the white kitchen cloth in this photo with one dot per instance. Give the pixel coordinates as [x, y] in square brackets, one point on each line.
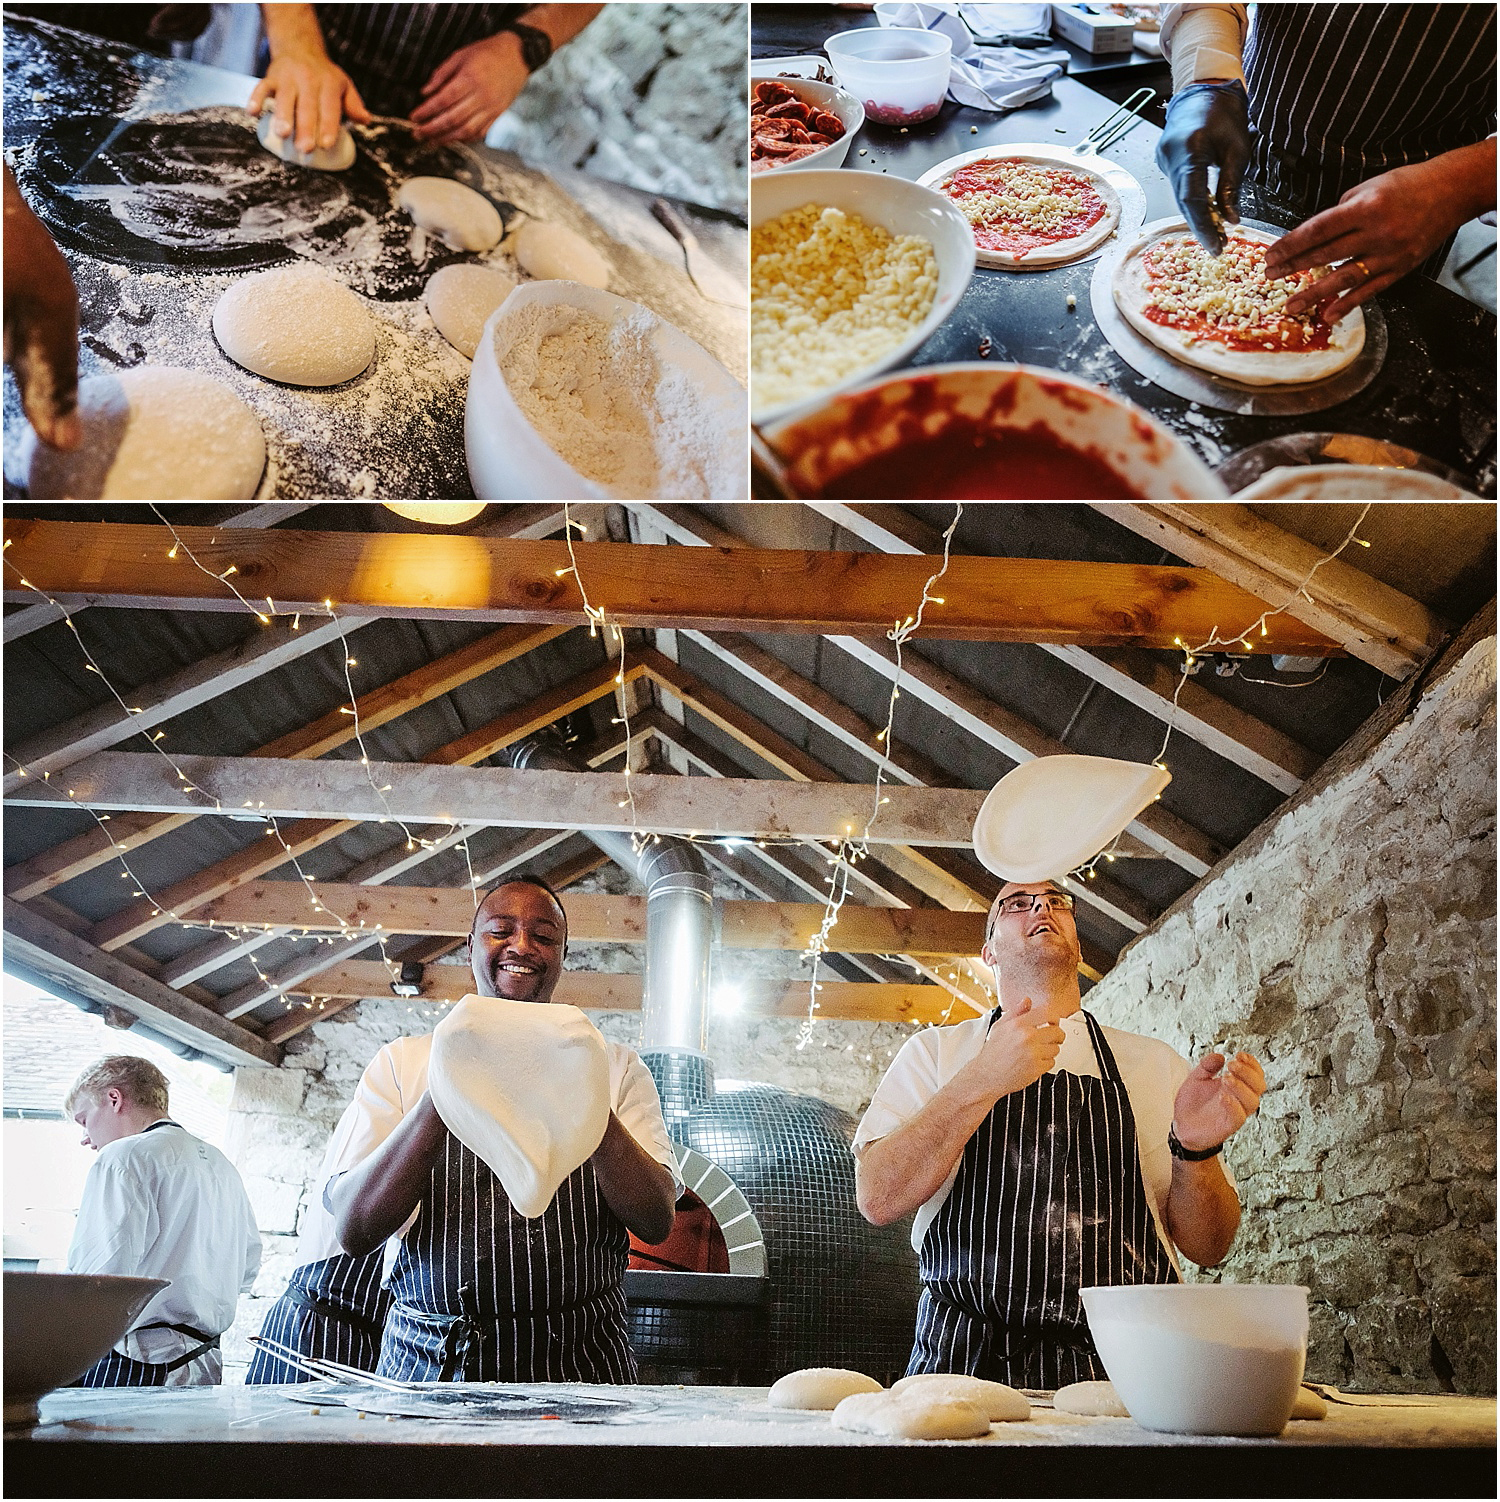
[989, 78]
[525, 1086]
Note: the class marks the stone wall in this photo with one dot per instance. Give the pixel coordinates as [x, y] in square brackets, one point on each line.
[648, 95]
[1350, 945]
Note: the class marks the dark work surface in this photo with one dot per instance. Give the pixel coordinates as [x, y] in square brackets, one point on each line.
[148, 175]
[1436, 392]
[1249, 1469]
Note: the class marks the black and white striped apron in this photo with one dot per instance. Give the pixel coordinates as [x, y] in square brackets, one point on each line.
[1342, 93]
[1048, 1199]
[390, 51]
[481, 1294]
[333, 1308]
[117, 1370]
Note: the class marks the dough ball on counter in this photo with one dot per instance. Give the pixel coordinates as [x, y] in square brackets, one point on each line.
[1309, 1405]
[911, 1415]
[297, 325]
[552, 252]
[819, 1387]
[335, 158]
[461, 218]
[461, 297]
[1003, 1404]
[1093, 1399]
[154, 433]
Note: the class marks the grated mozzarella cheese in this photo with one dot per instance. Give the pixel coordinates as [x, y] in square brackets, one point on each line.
[1231, 292]
[1027, 199]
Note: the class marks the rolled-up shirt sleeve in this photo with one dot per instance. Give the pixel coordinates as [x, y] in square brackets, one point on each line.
[638, 1107]
[910, 1082]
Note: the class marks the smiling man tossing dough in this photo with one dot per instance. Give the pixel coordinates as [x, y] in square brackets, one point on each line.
[480, 1291]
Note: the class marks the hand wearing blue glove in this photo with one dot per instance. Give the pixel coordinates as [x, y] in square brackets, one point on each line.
[1207, 126]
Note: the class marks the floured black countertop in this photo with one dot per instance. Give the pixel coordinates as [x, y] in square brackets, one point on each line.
[148, 174]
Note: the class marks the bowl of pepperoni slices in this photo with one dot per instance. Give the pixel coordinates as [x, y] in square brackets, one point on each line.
[796, 122]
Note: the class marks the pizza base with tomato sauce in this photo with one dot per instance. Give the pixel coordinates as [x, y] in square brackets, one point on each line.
[1030, 191]
[1204, 326]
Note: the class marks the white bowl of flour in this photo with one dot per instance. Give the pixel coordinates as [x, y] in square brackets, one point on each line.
[577, 394]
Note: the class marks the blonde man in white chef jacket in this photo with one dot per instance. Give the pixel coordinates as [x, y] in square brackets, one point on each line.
[159, 1203]
[1043, 1152]
[480, 1292]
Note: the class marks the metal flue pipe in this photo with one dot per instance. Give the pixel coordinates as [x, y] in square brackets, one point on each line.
[679, 916]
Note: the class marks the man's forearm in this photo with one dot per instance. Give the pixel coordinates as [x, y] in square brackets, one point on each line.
[898, 1172]
[561, 22]
[1470, 170]
[634, 1185]
[292, 29]
[372, 1201]
[1202, 1211]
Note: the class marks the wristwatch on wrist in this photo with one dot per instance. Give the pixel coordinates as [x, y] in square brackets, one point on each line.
[536, 45]
[1188, 1154]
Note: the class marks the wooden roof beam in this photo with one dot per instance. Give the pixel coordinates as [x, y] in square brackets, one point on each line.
[1370, 620]
[471, 578]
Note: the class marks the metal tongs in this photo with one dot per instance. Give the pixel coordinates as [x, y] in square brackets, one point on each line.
[328, 1371]
[1108, 131]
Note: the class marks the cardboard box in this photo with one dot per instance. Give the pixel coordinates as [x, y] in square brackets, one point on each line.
[1099, 34]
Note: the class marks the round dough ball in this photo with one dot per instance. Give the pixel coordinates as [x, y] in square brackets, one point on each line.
[819, 1387]
[1003, 1404]
[297, 325]
[1093, 1399]
[552, 252]
[335, 158]
[1309, 1405]
[461, 218]
[461, 297]
[155, 433]
[911, 1416]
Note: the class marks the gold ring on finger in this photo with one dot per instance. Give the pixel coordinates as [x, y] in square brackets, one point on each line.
[1368, 273]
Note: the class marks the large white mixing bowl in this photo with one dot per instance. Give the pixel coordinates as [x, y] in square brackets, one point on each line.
[1203, 1358]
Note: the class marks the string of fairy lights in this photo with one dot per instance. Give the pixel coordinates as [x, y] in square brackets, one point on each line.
[842, 855]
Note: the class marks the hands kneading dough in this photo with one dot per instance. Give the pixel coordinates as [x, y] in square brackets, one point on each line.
[524, 1086]
[461, 218]
[295, 324]
[152, 433]
[336, 158]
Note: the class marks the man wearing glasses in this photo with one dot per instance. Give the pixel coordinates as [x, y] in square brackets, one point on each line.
[1044, 1153]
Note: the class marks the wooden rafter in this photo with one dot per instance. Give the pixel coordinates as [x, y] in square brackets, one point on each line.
[985, 599]
[1370, 620]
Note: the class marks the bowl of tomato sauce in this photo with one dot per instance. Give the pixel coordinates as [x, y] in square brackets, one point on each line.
[986, 432]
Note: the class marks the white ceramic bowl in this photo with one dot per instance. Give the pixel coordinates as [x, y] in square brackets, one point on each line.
[897, 206]
[830, 97]
[1203, 1358]
[510, 461]
[876, 417]
[899, 73]
[57, 1325]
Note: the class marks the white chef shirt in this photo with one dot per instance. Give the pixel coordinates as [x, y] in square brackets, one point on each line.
[162, 1204]
[395, 1081]
[1152, 1072]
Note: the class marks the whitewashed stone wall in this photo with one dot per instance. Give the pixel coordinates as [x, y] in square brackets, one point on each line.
[1352, 950]
[648, 95]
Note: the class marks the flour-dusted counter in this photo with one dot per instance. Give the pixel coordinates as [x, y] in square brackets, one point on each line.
[148, 174]
[551, 1440]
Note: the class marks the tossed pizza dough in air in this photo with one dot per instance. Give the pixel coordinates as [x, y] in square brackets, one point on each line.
[819, 1387]
[552, 252]
[461, 218]
[524, 1086]
[295, 324]
[461, 297]
[152, 433]
[335, 158]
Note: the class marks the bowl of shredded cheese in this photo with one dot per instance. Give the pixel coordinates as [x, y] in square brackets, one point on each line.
[850, 273]
[576, 394]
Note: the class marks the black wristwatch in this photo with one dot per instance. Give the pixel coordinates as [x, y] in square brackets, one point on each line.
[536, 45]
[1187, 1154]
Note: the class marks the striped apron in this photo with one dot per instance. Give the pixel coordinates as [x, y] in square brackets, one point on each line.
[1048, 1199]
[333, 1308]
[390, 51]
[117, 1370]
[481, 1294]
[1342, 93]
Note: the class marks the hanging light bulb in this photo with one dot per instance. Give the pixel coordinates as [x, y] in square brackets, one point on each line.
[437, 513]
